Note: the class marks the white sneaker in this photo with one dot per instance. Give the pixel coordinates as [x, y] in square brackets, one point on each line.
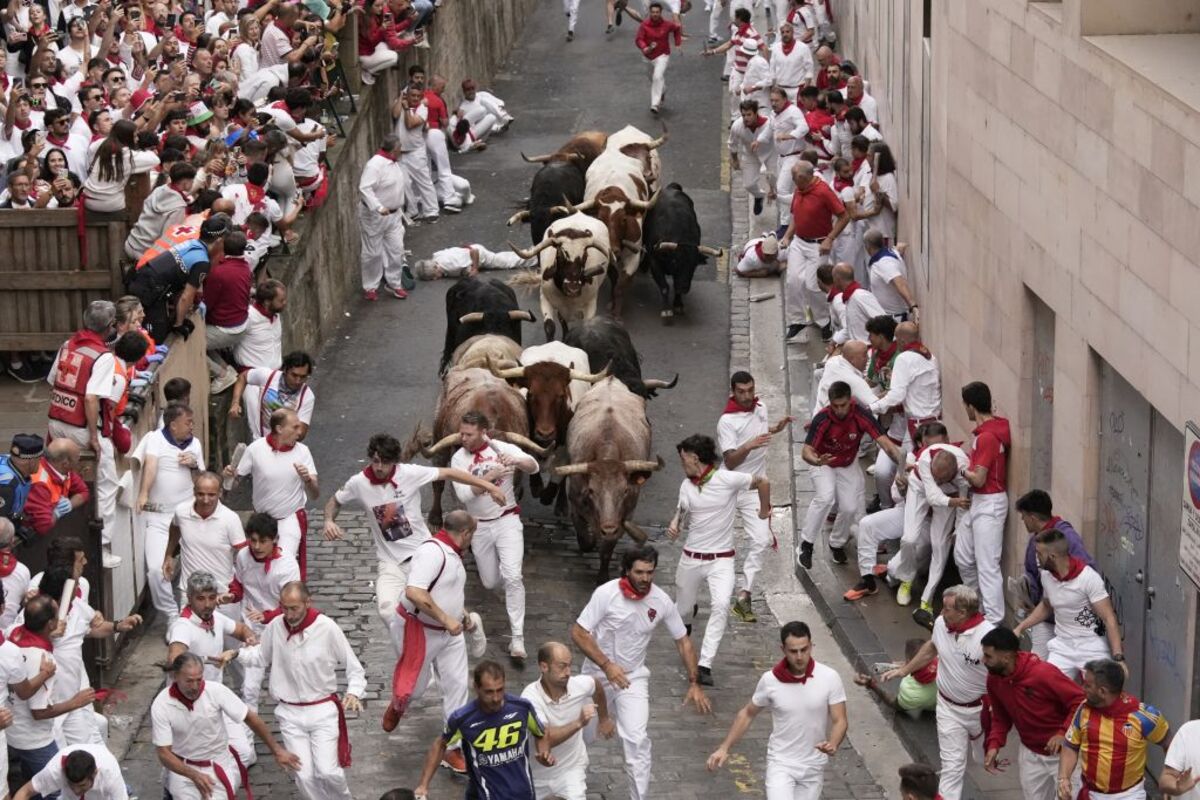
[516, 648]
[476, 638]
[108, 560]
[227, 378]
[470, 199]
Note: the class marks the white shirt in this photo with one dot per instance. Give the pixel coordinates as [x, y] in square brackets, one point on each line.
[885, 268]
[197, 734]
[454, 261]
[382, 184]
[961, 675]
[735, 428]
[750, 260]
[278, 490]
[789, 121]
[436, 565]
[242, 207]
[936, 494]
[262, 343]
[1184, 753]
[622, 627]
[304, 665]
[107, 785]
[1072, 601]
[71, 675]
[274, 46]
[15, 584]
[208, 543]
[869, 107]
[266, 392]
[26, 733]
[859, 309]
[837, 368]
[411, 139]
[758, 76]
[791, 69]
[916, 384]
[799, 715]
[261, 586]
[247, 56]
[393, 507]
[481, 506]
[188, 631]
[12, 669]
[885, 222]
[741, 137]
[306, 157]
[173, 482]
[711, 508]
[572, 754]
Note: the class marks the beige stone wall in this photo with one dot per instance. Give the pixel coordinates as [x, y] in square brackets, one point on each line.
[1057, 170]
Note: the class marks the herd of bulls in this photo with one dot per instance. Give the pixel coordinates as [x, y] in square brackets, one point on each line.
[596, 210]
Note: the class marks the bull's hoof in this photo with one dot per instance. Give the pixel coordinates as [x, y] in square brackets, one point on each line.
[547, 495]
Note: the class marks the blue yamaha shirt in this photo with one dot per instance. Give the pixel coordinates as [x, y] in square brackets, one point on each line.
[496, 748]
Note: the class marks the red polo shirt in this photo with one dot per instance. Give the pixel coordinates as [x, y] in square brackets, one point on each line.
[840, 438]
[814, 208]
[438, 118]
[992, 440]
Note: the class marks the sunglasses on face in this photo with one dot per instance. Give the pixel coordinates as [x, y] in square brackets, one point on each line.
[37, 86]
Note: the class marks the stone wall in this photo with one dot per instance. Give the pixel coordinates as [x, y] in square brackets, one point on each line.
[322, 275]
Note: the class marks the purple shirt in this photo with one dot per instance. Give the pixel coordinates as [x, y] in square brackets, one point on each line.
[1077, 550]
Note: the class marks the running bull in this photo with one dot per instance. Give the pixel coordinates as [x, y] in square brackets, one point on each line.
[672, 244]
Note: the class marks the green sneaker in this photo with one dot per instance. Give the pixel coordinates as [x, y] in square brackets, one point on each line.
[904, 593]
[741, 609]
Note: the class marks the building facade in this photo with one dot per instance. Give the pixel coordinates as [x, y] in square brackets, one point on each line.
[1050, 193]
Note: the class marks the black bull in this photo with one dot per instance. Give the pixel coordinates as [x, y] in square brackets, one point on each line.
[671, 239]
[475, 306]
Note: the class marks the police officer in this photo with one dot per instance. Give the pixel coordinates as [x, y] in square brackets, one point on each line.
[16, 469]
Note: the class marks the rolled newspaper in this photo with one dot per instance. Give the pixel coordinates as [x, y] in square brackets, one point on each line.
[64, 604]
[238, 452]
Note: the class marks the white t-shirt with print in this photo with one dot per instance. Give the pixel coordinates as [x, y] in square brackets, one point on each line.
[622, 627]
[393, 509]
[1071, 601]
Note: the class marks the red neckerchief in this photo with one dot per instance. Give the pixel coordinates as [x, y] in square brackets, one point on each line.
[784, 675]
[742, 29]
[627, 589]
[97, 137]
[173, 691]
[60, 142]
[310, 616]
[180, 192]
[386, 154]
[369, 474]
[114, 60]
[733, 408]
[270, 315]
[705, 478]
[787, 47]
[476, 452]
[758, 251]
[23, 637]
[856, 163]
[22, 125]
[884, 355]
[1053, 522]
[758, 121]
[849, 291]
[966, 625]
[276, 553]
[187, 613]
[1074, 567]
[255, 195]
[917, 347]
[445, 539]
[832, 294]
[786, 106]
[840, 183]
[273, 443]
[8, 562]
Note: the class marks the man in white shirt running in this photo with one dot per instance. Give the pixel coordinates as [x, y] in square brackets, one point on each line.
[567, 704]
[499, 541]
[80, 770]
[808, 719]
[265, 391]
[743, 434]
[391, 494]
[708, 500]
[207, 532]
[614, 631]
[303, 649]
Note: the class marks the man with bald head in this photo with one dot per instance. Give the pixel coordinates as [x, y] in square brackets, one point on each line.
[825, 56]
[859, 303]
[857, 97]
[56, 488]
[818, 216]
[567, 704]
[915, 384]
[846, 364]
[888, 277]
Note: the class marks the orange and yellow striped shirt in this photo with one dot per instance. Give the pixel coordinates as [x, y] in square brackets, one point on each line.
[1112, 742]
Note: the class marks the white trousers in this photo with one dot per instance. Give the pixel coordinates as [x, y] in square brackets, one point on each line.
[1039, 637]
[630, 708]
[289, 535]
[752, 168]
[311, 732]
[182, 788]
[382, 58]
[736, 79]
[480, 130]
[1039, 775]
[758, 531]
[499, 549]
[978, 548]
[785, 782]
[501, 260]
[960, 735]
[1135, 793]
[1071, 656]
[718, 575]
[914, 543]
[885, 475]
[419, 194]
[445, 656]
[840, 485]
[785, 186]
[715, 9]
[494, 105]
[801, 288]
[241, 740]
[252, 677]
[156, 527]
[571, 9]
[657, 68]
[451, 189]
[80, 726]
[382, 248]
[941, 529]
[390, 582]
[568, 784]
[882, 526]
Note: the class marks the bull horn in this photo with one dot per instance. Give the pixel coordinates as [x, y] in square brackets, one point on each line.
[572, 469]
[715, 252]
[635, 530]
[520, 314]
[467, 319]
[446, 441]
[592, 272]
[537, 159]
[522, 442]
[644, 205]
[656, 383]
[590, 378]
[570, 208]
[520, 216]
[661, 246]
[642, 466]
[507, 373]
[654, 144]
[539, 247]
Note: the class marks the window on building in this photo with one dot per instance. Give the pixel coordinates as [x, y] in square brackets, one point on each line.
[1039, 351]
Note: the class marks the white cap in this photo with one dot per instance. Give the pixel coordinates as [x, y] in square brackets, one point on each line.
[770, 245]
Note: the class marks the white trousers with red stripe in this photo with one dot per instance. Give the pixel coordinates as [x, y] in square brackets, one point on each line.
[960, 736]
[182, 788]
[311, 732]
[445, 656]
[718, 574]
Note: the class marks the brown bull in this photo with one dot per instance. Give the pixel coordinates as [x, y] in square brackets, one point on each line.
[609, 443]
[475, 389]
[581, 150]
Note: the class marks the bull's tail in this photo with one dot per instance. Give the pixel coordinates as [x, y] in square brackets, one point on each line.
[526, 279]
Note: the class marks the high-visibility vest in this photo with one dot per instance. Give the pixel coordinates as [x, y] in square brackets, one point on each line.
[75, 362]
